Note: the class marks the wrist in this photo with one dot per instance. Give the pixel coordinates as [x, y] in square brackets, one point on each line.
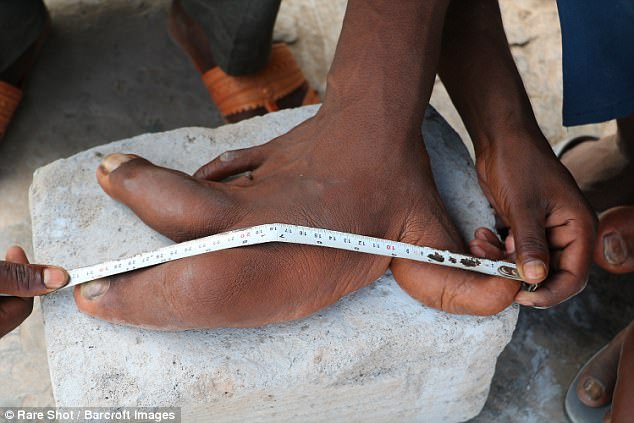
[511, 132]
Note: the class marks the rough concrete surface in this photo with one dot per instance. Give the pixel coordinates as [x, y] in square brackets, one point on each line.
[109, 71]
[375, 355]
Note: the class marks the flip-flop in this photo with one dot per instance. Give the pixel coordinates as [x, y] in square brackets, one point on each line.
[561, 148]
[577, 411]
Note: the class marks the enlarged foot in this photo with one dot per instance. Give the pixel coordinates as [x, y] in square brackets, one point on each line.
[311, 176]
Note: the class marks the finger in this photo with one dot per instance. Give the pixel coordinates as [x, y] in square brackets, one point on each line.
[573, 240]
[564, 281]
[485, 249]
[16, 254]
[488, 235]
[531, 248]
[486, 245]
[509, 244]
[174, 203]
[20, 279]
[232, 162]
[451, 290]
[13, 311]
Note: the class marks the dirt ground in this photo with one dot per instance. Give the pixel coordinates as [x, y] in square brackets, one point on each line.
[110, 71]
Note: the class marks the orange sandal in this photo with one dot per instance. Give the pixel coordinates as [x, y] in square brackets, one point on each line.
[279, 85]
[10, 97]
[237, 94]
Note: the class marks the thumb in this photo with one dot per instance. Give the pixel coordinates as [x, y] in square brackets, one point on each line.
[531, 247]
[20, 279]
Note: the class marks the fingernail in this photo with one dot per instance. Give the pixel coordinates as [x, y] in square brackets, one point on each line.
[55, 278]
[227, 156]
[593, 389]
[534, 270]
[112, 161]
[614, 248]
[95, 289]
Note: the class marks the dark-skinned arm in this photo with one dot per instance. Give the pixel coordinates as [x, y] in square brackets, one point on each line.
[552, 225]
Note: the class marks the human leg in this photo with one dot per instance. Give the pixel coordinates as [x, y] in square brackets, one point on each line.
[601, 167]
[230, 43]
[24, 24]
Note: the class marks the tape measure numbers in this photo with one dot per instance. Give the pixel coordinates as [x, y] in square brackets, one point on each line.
[294, 234]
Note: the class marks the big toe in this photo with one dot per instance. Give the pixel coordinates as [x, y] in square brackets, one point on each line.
[598, 377]
[452, 290]
[614, 250]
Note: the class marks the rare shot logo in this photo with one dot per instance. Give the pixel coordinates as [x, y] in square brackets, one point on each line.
[94, 415]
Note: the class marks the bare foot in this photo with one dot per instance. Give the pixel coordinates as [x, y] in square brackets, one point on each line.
[609, 376]
[622, 405]
[601, 168]
[614, 250]
[379, 189]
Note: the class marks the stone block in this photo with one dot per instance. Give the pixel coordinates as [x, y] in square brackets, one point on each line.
[376, 355]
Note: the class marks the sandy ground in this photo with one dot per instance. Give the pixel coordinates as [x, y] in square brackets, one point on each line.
[109, 71]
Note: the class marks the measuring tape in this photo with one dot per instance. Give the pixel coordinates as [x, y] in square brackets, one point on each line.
[294, 234]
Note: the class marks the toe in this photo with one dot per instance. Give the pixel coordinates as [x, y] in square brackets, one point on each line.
[174, 203]
[597, 379]
[614, 249]
[451, 290]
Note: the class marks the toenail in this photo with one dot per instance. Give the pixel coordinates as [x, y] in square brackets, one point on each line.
[593, 389]
[55, 278]
[534, 270]
[614, 248]
[112, 161]
[93, 290]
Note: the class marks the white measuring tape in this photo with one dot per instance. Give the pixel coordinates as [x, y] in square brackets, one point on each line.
[293, 234]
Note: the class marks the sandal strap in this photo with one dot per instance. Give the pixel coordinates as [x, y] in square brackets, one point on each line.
[311, 97]
[10, 97]
[235, 94]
